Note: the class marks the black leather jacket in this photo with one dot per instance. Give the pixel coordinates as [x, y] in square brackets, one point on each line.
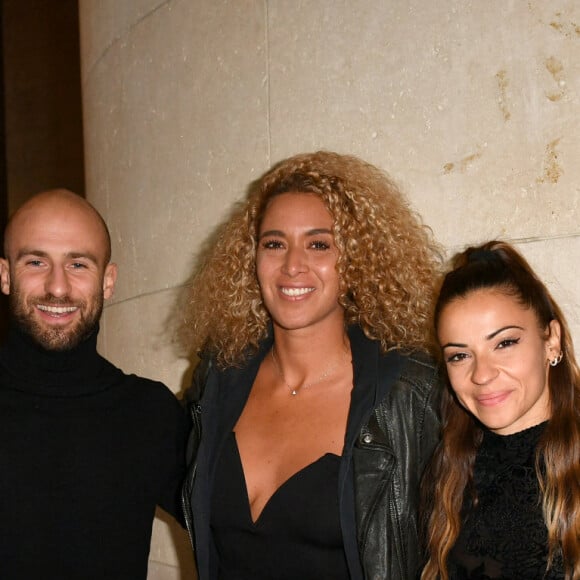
[392, 429]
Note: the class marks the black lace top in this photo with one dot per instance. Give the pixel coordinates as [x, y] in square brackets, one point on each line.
[504, 536]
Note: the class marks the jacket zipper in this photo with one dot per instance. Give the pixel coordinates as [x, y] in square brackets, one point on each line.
[187, 488]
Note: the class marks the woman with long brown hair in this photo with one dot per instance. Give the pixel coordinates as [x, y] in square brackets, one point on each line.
[504, 488]
[314, 405]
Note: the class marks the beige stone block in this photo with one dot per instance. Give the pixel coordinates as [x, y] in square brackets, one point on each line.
[472, 106]
[160, 571]
[138, 335]
[176, 126]
[106, 22]
[171, 556]
[556, 262]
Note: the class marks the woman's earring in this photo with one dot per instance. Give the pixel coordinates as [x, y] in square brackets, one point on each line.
[557, 359]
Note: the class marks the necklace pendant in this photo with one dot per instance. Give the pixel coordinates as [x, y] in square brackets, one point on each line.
[294, 392]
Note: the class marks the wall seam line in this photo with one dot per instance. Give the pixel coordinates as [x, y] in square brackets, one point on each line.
[120, 36]
[267, 51]
[144, 295]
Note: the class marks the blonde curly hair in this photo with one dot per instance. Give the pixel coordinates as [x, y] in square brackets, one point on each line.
[388, 262]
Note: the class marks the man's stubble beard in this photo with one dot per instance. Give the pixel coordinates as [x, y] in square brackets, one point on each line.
[55, 338]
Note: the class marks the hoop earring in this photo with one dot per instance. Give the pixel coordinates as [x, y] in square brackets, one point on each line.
[557, 359]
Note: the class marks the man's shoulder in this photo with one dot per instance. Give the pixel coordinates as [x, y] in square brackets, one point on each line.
[156, 402]
[144, 388]
[151, 387]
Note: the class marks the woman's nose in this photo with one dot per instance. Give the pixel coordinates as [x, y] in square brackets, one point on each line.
[295, 261]
[484, 371]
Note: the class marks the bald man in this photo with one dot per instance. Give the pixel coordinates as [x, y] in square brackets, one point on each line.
[86, 452]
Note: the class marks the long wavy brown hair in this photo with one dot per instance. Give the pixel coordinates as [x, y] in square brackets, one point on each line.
[388, 263]
[499, 266]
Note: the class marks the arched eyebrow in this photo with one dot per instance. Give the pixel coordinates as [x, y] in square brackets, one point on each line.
[281, 234]
[490, 336]
[500, 330]
[453, 344]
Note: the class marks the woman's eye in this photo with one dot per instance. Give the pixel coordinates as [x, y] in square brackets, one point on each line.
[456, 357]
[320, 245]
[508, 342]
[272, 245]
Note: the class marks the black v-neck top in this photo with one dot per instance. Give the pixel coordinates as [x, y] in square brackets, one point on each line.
[297, 535]
[504, 536]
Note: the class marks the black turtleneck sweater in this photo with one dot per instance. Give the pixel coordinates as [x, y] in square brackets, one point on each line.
[86, 453]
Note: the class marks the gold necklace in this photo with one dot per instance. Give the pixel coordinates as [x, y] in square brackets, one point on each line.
[294, 390]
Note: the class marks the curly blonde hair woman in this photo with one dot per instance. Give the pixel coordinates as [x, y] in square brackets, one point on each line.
[314, 405]
[387, 261]
[506, 498]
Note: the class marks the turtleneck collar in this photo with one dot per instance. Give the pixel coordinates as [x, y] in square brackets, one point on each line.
[31, 368]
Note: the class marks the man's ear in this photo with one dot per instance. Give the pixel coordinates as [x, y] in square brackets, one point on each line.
[4, 276]
[109, 280]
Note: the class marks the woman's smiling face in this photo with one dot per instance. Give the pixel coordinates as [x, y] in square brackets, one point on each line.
[497, 359]
[296, 262]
